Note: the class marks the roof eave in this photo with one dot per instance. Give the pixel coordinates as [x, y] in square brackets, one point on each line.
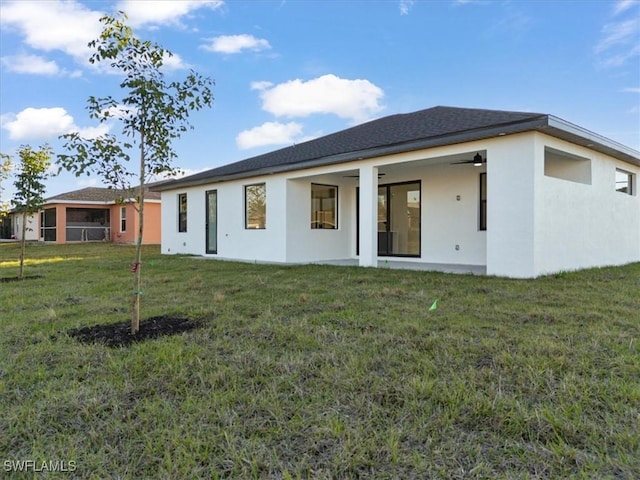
[580, 136]
[98, 202]
[547, 124]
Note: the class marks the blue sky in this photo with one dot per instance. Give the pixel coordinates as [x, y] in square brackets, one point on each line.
[290, 70]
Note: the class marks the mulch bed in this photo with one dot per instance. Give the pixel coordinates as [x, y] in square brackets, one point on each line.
[16, 279]
[119, 334]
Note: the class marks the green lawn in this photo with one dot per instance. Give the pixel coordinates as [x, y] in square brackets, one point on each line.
[319, 372]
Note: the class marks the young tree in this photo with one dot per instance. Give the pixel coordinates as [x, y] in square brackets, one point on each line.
[30, 176]
[152, 112]
[5, 170]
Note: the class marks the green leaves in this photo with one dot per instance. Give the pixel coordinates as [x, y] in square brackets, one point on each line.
[149, 105]
[5, 169]
[104, 156]
[31, 174]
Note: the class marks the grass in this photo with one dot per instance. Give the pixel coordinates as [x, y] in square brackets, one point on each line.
[319, 372]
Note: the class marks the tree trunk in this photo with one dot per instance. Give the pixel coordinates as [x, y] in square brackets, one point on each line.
[137, 266]
[23, 244]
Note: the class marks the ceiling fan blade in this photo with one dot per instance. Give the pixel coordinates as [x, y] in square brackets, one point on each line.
[358, 176]
[477, 161]
[462, 162]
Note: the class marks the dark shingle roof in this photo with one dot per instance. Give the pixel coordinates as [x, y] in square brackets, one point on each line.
[391, 134]
[99, 194]
[391, 130]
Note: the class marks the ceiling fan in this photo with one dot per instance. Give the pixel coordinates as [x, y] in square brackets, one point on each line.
[477, 161]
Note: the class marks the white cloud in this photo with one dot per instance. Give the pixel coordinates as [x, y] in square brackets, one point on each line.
[618, 44]
[162, 12]
[618, 33]
[623, 5]
[261, 85]
[174, 62]
[631, 90]
[230, 44]
[356, 100]
[68, 26]
[33, 64]
[620, 59]
[53, 25]
[405, 6]
[87, 182]
[269, 133]
[92, 132]
[45, 124]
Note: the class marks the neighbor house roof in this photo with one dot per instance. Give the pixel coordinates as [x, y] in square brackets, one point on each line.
[428, 128]
[100, 195]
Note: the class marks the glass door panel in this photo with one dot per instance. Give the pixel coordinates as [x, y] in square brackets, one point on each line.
[212, 221]
[398, 219]
[404, 219]
[383, 223]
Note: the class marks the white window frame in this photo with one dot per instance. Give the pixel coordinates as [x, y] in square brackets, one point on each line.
[630, 188]
[181, 213]
[123, 219]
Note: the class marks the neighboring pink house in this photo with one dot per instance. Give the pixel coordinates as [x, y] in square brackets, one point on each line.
[98, 214]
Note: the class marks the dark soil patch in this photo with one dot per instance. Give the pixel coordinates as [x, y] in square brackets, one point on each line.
[119, 334]
[16, 279]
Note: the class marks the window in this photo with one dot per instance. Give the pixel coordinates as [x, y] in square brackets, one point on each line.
[123, 219]
[625, 182]
[88, 224]
[566, 166]
[182, 212]
[255, 202]
[211, 205]
[48, 225]
[324, 206]
[483, 202]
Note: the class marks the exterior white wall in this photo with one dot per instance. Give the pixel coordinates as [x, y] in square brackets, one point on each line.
[32, 233]
[540, 224]
[234, 241]
[448, 222]
[445, 220]
[513, 168]
[307, 245]
[536, 224]
[585, 225]
[191, 241]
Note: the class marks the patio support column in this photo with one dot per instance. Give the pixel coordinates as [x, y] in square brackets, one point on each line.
[368, 216]
[61, 224]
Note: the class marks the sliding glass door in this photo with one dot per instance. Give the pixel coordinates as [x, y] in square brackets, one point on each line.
[398, 219]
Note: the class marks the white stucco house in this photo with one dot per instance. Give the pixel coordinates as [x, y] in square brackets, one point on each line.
[31, 232]
[514, 194]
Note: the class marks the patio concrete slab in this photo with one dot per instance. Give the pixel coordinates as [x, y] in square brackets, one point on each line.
[409, 265]
[390, 264]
